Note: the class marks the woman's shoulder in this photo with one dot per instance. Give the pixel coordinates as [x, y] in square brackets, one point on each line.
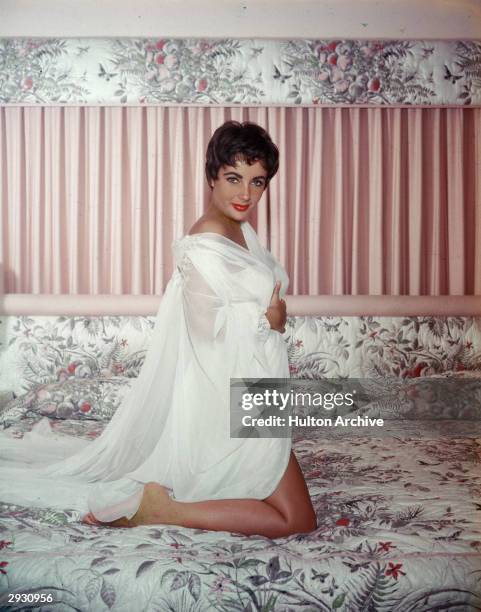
[205, 238]
[207, 226]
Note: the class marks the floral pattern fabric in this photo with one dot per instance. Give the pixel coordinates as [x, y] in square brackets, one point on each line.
[118, 71]
[399, 515]
[40, 350]
[84, 398]
[399, 523]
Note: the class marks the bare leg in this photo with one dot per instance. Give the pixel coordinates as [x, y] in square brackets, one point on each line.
[288, 510]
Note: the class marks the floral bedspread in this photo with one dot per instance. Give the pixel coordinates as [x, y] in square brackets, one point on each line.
[399, 530]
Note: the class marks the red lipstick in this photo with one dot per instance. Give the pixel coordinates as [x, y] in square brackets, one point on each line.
[240, 207]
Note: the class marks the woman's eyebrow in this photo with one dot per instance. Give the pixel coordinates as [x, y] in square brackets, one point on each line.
[240, 175]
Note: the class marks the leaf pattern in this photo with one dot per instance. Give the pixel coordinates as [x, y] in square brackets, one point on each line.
[250, 71]
[385, 507]
[398, 515]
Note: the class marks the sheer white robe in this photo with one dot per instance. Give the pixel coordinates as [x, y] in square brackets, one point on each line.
[173, 425]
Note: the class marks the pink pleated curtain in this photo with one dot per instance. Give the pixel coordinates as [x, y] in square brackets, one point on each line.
[367, 200]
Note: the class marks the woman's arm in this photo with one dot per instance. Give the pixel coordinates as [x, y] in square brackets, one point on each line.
[228, 324]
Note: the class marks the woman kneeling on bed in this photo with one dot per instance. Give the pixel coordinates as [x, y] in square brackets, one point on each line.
[228, 292]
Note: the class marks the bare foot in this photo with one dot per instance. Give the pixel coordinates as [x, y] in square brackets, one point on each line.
[156, 508]
[89, 519]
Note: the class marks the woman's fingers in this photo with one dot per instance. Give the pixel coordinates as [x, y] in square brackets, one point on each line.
[277, 307]
[275, 293]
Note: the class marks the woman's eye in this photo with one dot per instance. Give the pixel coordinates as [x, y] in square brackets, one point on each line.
[233, 179]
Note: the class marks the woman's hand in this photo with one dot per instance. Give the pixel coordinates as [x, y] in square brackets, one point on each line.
[276, 312]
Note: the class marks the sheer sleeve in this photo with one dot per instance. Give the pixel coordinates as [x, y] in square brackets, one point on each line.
[224, 306]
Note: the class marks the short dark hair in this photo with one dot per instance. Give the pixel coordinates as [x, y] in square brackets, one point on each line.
[245, 141]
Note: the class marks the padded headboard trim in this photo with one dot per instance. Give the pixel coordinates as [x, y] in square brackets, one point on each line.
[337, 305]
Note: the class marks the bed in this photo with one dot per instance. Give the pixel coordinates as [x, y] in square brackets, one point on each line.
[399, 514]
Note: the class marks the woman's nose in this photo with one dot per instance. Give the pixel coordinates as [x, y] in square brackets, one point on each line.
[245, 192]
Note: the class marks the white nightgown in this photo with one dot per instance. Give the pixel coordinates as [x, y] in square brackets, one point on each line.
[173, 425]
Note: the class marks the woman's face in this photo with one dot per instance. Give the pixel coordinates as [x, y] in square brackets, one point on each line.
[237, 189]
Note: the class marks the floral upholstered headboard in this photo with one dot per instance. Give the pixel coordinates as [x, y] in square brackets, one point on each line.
[105, 338]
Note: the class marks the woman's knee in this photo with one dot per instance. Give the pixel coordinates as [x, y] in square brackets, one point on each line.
[308, 523]
[311, 522]
[302, 523]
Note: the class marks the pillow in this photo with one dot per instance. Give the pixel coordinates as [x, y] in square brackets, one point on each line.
[450, 395]
[85, 398]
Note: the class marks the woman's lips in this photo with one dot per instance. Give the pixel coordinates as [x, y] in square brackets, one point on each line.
[240, 207]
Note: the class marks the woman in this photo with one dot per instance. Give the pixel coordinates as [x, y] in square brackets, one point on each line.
[221, 317]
